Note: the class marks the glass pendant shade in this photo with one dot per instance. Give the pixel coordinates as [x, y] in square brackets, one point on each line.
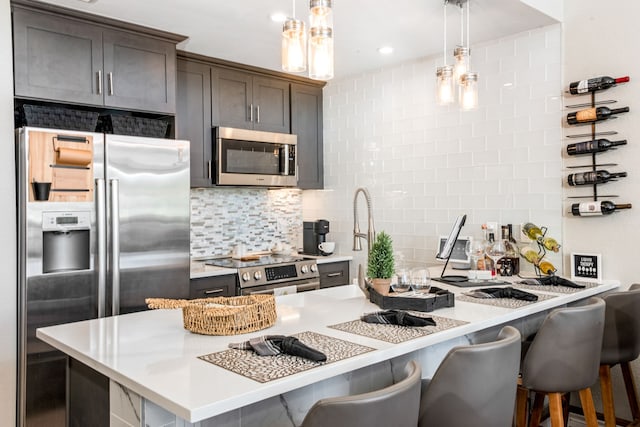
[321, 53]
[445, 88]
[320, 13]
[294, 46]
[461, 65]
[469, 91]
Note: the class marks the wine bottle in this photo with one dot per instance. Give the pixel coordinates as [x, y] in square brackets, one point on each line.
[510, 263]
[546, 267]
[532, 231]
[593, 146]
[594, 84]
[530, 254]
[597, 177]
[551, 244]
[597, 208]
[595, 114]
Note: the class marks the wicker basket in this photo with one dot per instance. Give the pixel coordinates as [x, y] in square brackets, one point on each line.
[135, 126]
[56, 117]
[223, 315]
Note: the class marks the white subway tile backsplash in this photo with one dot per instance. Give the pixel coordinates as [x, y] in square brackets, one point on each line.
[425, 164]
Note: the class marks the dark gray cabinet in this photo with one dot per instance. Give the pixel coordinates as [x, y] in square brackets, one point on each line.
[211, 93]
[66, 59]
[213, 286]
[334, 274]
[248, 101]
[306, 122]
[193, 123]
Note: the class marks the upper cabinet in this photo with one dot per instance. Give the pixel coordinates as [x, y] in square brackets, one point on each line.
[193, 121]
[306, 122]
[248, 101]
[65, 56]
[213, 92]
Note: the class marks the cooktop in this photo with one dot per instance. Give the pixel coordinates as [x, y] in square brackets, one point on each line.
[251, 262]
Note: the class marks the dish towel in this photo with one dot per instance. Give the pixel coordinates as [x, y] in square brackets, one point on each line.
[272, 345]
[551, 281]
[507, 292]
[397, 317]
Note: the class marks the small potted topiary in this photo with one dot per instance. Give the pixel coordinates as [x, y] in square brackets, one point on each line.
[381, 264]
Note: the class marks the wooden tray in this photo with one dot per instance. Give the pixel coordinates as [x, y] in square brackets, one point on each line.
[389, 302]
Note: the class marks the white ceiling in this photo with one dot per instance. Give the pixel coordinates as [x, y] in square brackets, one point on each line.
[241, 31]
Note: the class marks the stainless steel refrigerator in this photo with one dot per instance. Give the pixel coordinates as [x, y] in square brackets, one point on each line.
[103, 223]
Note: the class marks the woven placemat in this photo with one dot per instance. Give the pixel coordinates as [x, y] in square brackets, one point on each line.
[554, 289]
[396, 334]
[268, 368]
[503, 302]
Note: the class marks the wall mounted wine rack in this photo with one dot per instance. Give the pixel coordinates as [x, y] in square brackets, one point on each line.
[593, 134]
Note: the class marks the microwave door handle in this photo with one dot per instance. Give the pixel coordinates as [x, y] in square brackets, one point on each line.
[284, 159]
[115, 247]
[101, 250]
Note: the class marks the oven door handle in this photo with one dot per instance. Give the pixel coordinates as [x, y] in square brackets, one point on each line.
[311, 286]
[303, 287]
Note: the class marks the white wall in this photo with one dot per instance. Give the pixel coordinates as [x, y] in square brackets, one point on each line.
[425, 164]
[598, 42]
[8, 296]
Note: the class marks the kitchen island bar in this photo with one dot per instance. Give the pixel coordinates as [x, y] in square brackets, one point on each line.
[157, 378]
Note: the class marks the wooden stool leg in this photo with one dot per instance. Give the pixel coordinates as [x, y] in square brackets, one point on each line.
[522, 396]
[632, 391]
[586, 400]
[606, 389]
[555, 410]
[536, 411]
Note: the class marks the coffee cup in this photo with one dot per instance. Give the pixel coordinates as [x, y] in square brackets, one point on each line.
[327, 248]
[41, 190]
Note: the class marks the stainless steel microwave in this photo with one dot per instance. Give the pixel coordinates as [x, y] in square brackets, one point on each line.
[255, 158]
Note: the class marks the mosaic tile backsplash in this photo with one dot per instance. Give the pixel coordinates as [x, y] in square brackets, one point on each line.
[256, 217]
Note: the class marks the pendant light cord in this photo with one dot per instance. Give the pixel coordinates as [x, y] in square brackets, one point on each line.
[462, 25]
[293, 7]
[468, 45]
[444, 52]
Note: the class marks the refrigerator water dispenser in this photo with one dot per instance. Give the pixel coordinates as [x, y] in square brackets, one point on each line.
[65, 241]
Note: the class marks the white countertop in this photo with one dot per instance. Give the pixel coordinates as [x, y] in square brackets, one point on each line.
[150, 352]
[200, 269]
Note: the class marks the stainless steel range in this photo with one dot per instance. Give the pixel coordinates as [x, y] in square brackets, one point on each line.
[269, 272]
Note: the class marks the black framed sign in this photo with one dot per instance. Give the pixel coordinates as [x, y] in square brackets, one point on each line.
[586, 267]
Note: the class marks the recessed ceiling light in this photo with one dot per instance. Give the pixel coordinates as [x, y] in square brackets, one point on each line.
[278, 17]
[508, 84]
[385, 50]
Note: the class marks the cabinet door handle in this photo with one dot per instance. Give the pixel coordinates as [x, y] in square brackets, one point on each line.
[257, 114]
[250, 112]
[213, 291]
[335, 274]
[110, 83]
[99, 75]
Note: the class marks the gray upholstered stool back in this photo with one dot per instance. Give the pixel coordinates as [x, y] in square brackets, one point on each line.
[474, 385]
[396, 405]
[621, 340]
[565, 354]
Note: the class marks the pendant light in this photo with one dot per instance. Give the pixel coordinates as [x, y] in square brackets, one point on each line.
[321, 39]
[294, 44]
[469, 79]
[445, 88]
[461, 52]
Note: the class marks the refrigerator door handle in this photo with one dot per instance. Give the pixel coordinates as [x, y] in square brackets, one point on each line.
[115, 246]
[101, 230]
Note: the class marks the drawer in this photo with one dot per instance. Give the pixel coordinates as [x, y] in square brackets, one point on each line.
[334, 274]
[215, 286]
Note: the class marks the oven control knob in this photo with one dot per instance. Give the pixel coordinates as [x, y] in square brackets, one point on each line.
[245, 277]
[257, 275]
[314, 268]
[304, 269]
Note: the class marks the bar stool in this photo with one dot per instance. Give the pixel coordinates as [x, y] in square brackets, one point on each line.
[474, 385]
[620, 345]
[563, 357]
[396, 405]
